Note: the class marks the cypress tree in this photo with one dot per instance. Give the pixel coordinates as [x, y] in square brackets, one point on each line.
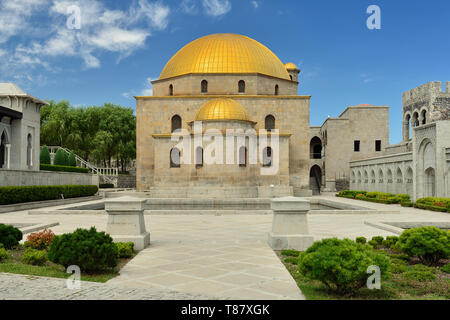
[45, 156]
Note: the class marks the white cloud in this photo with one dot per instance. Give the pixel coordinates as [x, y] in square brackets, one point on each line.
[216, 8]
[189, 6]
[255, 4]
[102, 29]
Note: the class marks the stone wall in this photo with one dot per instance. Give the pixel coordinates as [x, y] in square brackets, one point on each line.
[365, 123]
[45, 178]
[154, 116]
[255, 84]
[126, 181]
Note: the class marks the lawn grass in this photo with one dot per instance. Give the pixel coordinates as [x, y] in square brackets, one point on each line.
[14, 265]
[396, 287]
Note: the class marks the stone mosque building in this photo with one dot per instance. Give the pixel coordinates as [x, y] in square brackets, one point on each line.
[229, 81]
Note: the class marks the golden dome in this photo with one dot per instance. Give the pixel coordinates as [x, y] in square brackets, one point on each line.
[224, 53]
[222, 109]
[290, 66]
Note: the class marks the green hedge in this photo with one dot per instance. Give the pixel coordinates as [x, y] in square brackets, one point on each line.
[378, 197]
[433, 204]
[11, 195]
[48, 167]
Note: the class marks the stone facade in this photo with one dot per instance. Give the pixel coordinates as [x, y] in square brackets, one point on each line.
[362, 124]
[19, 129]
[45, 178]
[269, 91]
[154, 116]
[420, 165]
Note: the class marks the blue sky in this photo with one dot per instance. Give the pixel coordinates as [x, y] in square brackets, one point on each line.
[122, 45]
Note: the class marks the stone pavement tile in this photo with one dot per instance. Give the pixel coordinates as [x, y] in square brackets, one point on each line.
[241, 279]
[265, 261]
[170, 279]
[205, 272]
[268, 272]
[206, 287]
[278, 287]
[177, 266]
[234, 266]
[208, 261]
[234, 256]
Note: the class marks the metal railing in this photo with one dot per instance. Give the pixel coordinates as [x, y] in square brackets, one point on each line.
[106, 173]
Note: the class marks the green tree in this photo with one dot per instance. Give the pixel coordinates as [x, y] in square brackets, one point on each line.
[60, 158]
[45, 156]
[72, 161]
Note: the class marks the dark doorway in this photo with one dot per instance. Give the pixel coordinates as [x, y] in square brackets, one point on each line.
[315, 179]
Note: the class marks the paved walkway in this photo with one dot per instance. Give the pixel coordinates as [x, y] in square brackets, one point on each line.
[21, 287]
[224, 256]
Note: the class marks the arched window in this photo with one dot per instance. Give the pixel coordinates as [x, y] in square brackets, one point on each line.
[29, 151]
[270, 122]
[277, 90]
[290, 77]
[415, 121]
[204, 86]
[171, 90]
[176, 123]
[175, 156]
[242, 157]
[241, 86]
[424, 117]
[199, 157]
[267, 157]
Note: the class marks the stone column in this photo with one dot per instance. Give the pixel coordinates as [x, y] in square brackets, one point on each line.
[405, 130]
[126, 221]
[290, 224]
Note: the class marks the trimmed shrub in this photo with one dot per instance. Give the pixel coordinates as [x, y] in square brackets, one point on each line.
[290, 253]
[9, 236]
[361, 240]
[433, 204]
[398, 266]
[48, 167]
[390, 241]
[4, 254]
[11, 195]
[379, 197]
[40, 240]
[72, 161]
[60, 158]
[34, 257]
[125, 249]
[446, 268]
[376, 242]
[92, 251]
[341, 264]
[429, 244]
[421, 276]
[44, 156]
[350, 194]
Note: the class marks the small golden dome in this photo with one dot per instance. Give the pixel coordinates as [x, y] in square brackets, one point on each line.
[224, 53]
[290, 66]
[222, 109]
